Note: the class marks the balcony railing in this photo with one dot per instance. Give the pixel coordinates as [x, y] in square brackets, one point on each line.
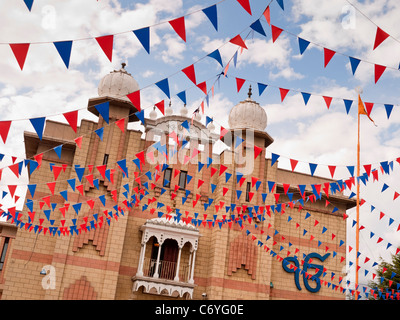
[166, 270]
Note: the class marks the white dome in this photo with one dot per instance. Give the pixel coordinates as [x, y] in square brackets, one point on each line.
[117, 84]
[248, 114]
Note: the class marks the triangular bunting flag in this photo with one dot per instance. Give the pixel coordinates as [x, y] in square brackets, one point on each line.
[38, 125]
[275, 32]
[72, 118]
[217, 56]
[20, 51]
[283, 93]
[354, 64]
[379, 71]
[64, 50]
[328, 54]
[106, 43]
[379, 37]
[143, 36]
[303, 44]
[261, 88]
[134, 97]
[179, 26]
[239, 83]
[245, 5]
[4, 129]
[211, 13]
[104, 109]
[164, 86]
[190, 73]
[238, 41]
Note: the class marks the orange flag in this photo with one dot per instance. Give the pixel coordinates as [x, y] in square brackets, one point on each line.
[361, 109]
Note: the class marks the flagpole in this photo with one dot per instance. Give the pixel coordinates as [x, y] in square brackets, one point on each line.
[358, 90]
[358, 203]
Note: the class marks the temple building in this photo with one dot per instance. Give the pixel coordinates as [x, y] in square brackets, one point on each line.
[179, 222]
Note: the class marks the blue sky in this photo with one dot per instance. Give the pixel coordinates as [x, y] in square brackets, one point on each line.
[309, 133]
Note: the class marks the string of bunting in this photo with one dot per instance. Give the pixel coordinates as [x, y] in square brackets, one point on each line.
[240, 81]
[249, 219]
[106, 42]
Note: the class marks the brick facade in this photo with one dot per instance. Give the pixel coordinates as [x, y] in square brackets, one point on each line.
[100, 263]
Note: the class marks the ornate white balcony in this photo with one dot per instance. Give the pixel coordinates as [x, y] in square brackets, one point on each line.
[167, 266]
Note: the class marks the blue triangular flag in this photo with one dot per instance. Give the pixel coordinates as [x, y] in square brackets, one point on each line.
[239, 140]
[185, 124]
[388, 108]
[271, 185]
[64, 194]
[354, 64]
[64, 50]
[104, 110]
[143, 36]
[71, 182]
[29, 4]
[347, 104]
[256, 26]
[103, 199]
[200, 166]
[38, 125]
[280, 2]
[58, 150]
[306, 97]
[264, 196]
[303, 44]
[211, 13]
[213, 186]
[79, 172]
[164, 86]
[182, 95]
[238, 193]
[32, 166]
[313, 166]
[351, 170]
[274, 157]
[261, 88]
[209, 161]
[100, 132]
[208, 120]
[140, 115]
[32, 188]
[217, 56]
[77, 207]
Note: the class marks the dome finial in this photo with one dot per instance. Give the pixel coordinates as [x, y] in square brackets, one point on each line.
[249, 94]
[123, 64]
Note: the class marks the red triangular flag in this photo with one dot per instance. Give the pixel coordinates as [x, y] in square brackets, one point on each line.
[379, 37]
[106, 43]
[160, 106]
[379, 71]
[203, 87]
[179, 26]
[15, 169]
[78, 141]
[102, 170]
[72, 118]
[239, 83]
[332, 170]
[121, 124]
[140, 156]
[283, 92]
[51, 186]
[20, 51]
[367, 168]
[222, 169]
[267, 15]
[328, 54]
[4, 129]
[246, 5]
[56, 171]
[134, 97]
[368, 107]
[293, 163]
[238, 41]
[12, 189]
[213, 171]
[328, 101]
[257, 151]
[190, 73]
[275, 32]
[223, 132]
